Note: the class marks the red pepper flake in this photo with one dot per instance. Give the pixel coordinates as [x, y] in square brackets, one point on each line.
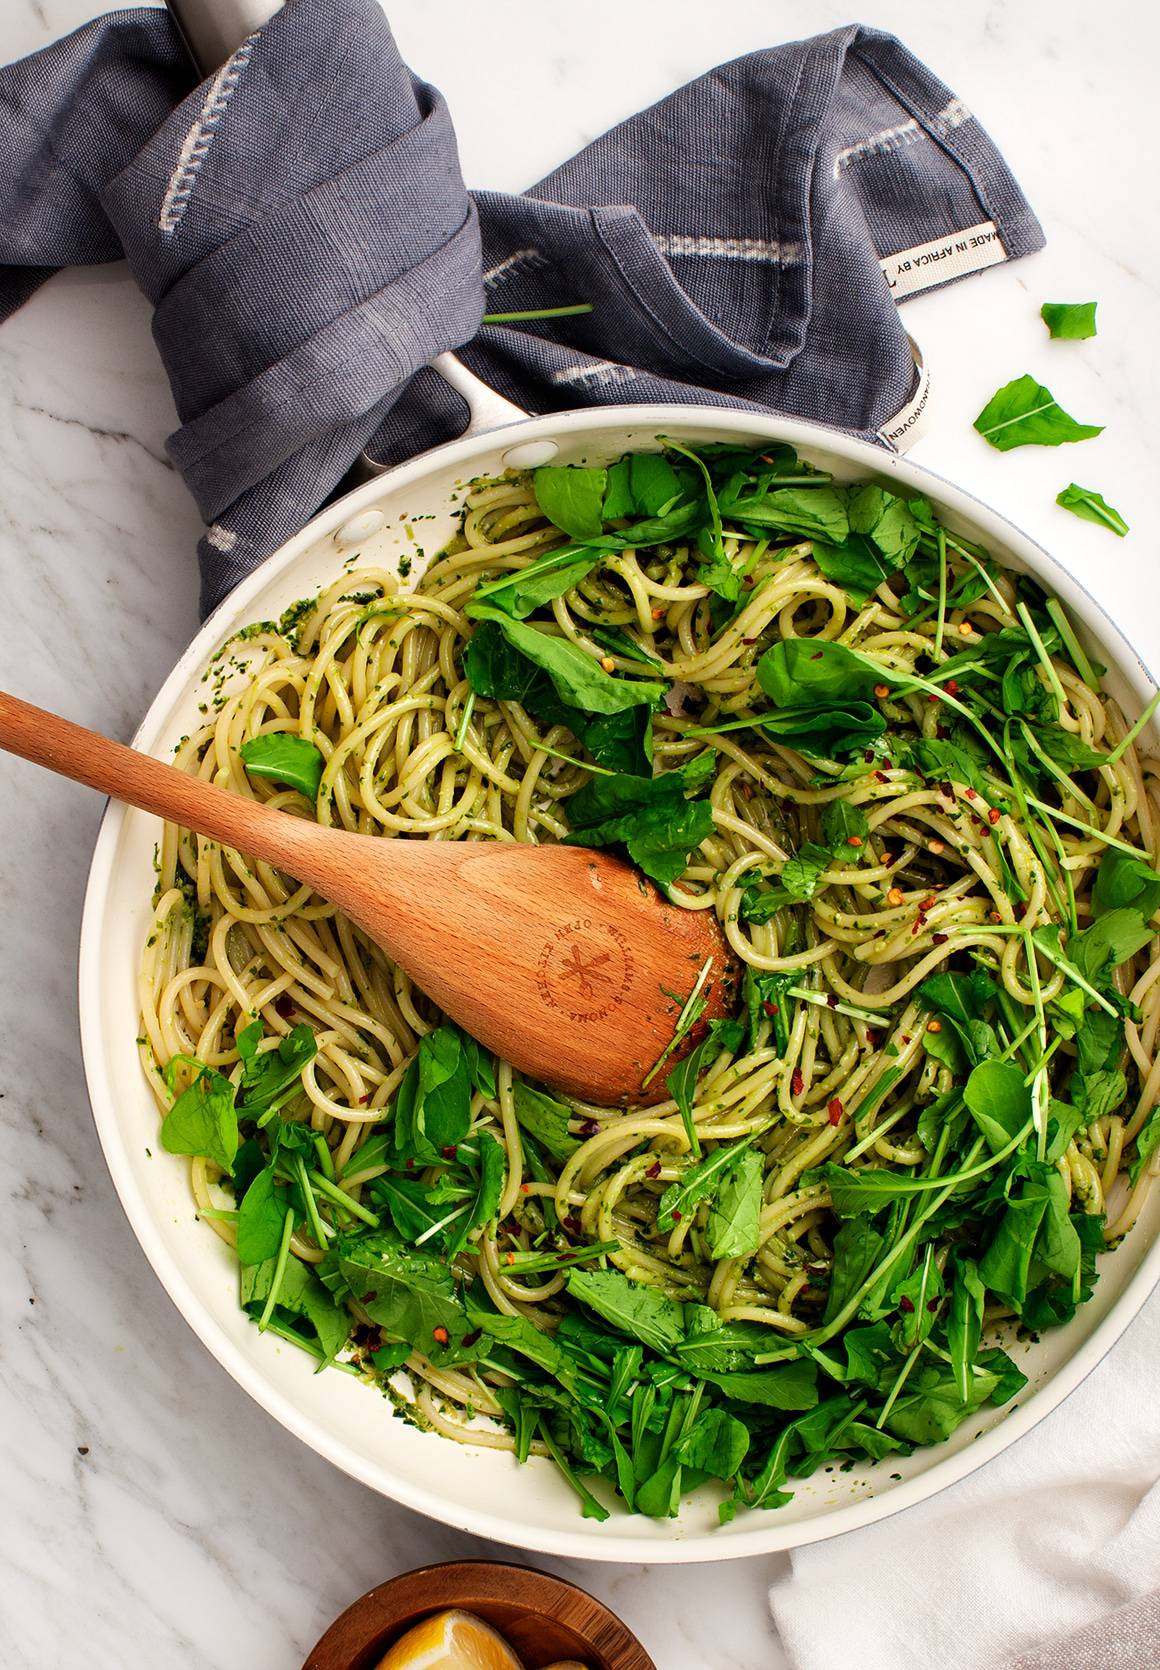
[797, 1082]
[874, 1039]
[882, 777]
[748, 583]
[448, 1153]
[284, 1005]
[654, 1170]
[832, 1000]
[769, 1008]
[675, 1215]
[509, 1258]
[573, 1225]
[410, 1165]
[834, 1110]
[948, 789]
[590, 1128]
[932, 1305]
[906, 1037]
[525, 1188]
[972, 794]
[994, 815]
[906, 1305]
[928, 903]
[882, 691]
[363, 1100]
[818, 656]
[888, 765]
[440, 1334]
[952, 687]
[932, 698]
[940, 939]
[853, 840]
[941, 732]
[749, 640]
[473, 1337]
[868, 757]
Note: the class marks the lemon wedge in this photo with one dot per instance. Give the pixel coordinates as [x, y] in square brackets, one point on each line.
[451, 1641]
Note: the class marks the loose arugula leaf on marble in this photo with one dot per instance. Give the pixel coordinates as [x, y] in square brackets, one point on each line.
[1024, 413]
[1092, 507]
[1069, 321]
[285, 758]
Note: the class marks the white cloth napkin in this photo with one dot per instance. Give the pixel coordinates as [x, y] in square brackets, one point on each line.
[1048, 1558]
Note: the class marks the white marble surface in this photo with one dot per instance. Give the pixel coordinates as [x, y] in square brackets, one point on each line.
[153, 1514]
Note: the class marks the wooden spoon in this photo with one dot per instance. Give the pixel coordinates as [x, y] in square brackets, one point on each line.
[564, 961]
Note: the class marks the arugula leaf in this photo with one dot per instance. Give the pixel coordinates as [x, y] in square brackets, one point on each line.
[617, 642]
[539, 581]
[801, 874]
[1034, 1230]
[578, 679]
[644, 1313]
[410, 1293]
[844, 825]
[815, 673]
[1069, 321]
[202, 1121]
[717, 1444]
[870, 1354]
[433, 1104]
[285, 758]
[734, 1228]
[1112, 938]
[698, 1182]
[681, 1083]
[270, 1078]
[571, 498]
[858, 1248]
[767, 996]
[944, 759]
[792, 1385]
[999, 1101]
[300, 1294]
[492, 1169]
[713, 1347]
[1085, 502]
[415, 1208]
[261, 1217]
[884, 535]
[649, 815]
[930, 1407]
[809, 512]
[917, 1297]
[965, 1321]
[1147, 1142]
[1123, 882]
[547, 1120]
[643, 484]
[1024, 413]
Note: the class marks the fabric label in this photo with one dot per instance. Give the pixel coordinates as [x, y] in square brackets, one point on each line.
[952, 256]
[907, 425]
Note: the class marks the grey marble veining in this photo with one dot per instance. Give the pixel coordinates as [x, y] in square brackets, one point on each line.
[152, 1513]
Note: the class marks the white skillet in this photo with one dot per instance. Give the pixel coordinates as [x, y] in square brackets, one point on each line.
[479, 1490]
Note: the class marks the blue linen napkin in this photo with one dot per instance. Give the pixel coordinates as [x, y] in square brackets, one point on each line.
[300, 224]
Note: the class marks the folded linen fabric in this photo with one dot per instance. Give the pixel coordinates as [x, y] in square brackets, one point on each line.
[300, 224]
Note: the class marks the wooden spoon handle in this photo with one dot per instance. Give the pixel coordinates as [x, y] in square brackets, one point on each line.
[87, 757]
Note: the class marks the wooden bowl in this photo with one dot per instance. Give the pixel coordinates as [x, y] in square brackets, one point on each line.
[544, 1618]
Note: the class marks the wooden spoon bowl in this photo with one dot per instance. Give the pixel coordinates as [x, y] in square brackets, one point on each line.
[564, 961]
[545, 1620]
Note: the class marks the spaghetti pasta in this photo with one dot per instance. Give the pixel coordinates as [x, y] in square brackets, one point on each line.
[940, 1093]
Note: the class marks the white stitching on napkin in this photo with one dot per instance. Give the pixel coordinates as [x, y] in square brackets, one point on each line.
[600, 371]
[196, 144]
[222, 539]
[951, 116]
[730, 249]
[523, 259]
